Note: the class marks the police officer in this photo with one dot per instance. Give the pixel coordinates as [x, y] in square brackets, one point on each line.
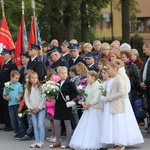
[56, 58]
[65, 50]
[74, 55]
[35, 63]
[5, 77]
[89, 60]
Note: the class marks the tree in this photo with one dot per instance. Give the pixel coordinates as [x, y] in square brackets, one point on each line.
[13, 14]
[128, 10]
[125, 21]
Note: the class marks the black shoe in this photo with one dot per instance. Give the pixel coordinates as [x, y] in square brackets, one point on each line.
[8, 129]
[49, 129]
[25, 137]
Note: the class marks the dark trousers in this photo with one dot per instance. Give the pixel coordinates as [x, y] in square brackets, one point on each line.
[6, 113]
[16, 122]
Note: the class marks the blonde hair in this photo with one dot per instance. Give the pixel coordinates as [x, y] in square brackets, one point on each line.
[50, 73]
[119, 62]
[103, 61]
[105, 45]
[14, 72]
[93, 73]
[29, 85]
[113, 65]
[116, 52]
[83, 68]
[28, 71]
[59, 69]
[87, 45]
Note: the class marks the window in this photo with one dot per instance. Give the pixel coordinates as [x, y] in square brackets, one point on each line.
[140, 25]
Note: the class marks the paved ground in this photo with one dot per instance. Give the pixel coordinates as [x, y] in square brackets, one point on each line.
[6, 143]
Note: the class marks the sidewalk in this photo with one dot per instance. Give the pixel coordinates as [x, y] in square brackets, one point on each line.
[6, 143]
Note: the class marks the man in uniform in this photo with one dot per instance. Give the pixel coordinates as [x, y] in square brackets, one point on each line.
[35, 63]
[5, 77]
[65, 50]
[74, 55]
[56, 58]
[89, 60]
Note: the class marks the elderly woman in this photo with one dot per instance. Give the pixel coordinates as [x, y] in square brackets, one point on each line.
[87, 48]
[135, 58]
[105, 50]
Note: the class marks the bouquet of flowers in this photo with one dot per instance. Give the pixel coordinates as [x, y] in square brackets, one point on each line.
[28, 111]
[8, 88]
[103, 91]
[81, 94]
[51, 89]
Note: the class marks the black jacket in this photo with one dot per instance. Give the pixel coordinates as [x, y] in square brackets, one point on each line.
[134, 75]
[66, 57]
[93, 67]
[68, 88]
[59, 62]
[5, 73]
[79, 59]
[35, 65]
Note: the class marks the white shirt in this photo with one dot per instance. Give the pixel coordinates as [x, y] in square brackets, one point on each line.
[74, 59]
[62, 82]
[33, 58]
[145, 70]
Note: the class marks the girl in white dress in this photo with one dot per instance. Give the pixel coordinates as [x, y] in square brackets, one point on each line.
[119, 128]
[87, 133]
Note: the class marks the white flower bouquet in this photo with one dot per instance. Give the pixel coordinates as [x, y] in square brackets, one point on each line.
[51, 89]
[8, 88]
[28, 111]
[103, 90]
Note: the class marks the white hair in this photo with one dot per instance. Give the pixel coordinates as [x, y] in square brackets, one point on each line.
[96, 42]
[125, 46]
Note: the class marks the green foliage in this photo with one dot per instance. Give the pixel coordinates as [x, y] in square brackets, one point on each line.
[137, 42]
[13, 14]
[55, 17]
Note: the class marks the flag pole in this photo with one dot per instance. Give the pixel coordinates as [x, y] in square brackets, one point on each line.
[22, 6]
[2, 5]
[34, 19]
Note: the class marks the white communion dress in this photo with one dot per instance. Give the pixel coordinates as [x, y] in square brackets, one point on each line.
[119, 129]
[87, 133]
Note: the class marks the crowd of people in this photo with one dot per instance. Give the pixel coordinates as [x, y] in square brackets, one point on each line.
[112, 76]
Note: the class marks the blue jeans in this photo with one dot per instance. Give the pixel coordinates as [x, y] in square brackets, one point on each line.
[16, 122]
[30, 131]
[38, 125]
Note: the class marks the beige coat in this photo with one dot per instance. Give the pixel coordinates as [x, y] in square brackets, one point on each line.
[94, 93]
[116, 100]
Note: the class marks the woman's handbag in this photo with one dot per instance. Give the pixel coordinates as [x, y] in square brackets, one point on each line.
[69, 103]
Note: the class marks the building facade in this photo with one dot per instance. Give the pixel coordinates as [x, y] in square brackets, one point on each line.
[111, 28]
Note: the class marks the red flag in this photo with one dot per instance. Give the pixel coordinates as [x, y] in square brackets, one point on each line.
[5, 36]
[33, 37]
[19, 45]
[6, 40]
